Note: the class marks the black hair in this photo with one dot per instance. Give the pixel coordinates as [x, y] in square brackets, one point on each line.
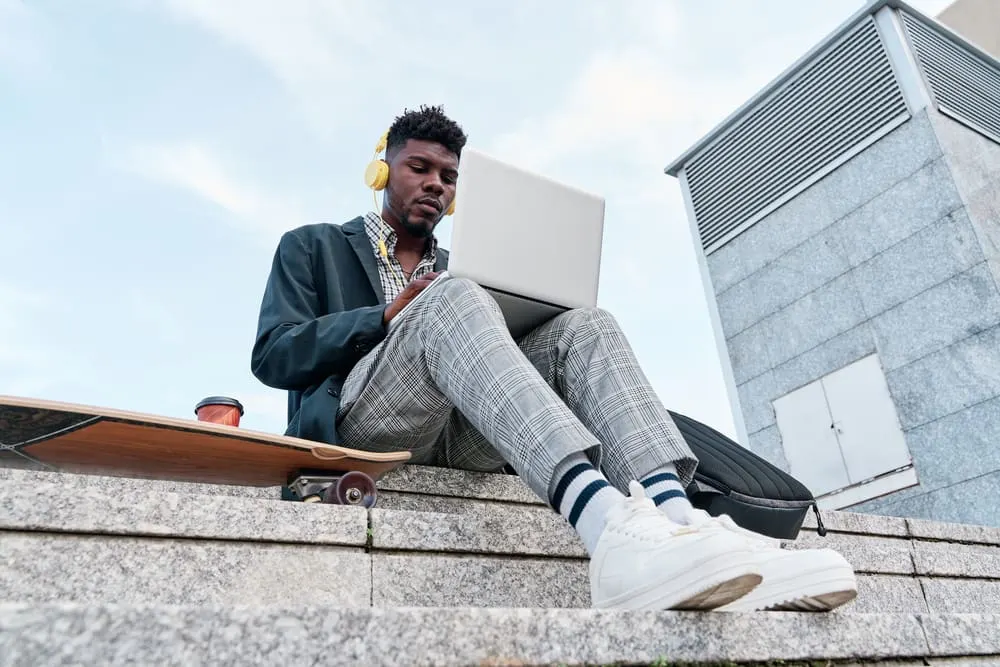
[427, 124]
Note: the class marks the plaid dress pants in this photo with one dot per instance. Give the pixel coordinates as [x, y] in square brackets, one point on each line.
[449, 384]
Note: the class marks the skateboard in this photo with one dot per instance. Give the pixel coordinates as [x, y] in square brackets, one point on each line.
[48, 435]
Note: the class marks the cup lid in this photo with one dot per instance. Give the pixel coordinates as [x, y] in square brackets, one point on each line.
[219, 400]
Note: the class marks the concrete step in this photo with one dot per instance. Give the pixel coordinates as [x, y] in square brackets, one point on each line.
[67, 539]
[301, 631]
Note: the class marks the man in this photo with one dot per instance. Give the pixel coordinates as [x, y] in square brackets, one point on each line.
[567, 406]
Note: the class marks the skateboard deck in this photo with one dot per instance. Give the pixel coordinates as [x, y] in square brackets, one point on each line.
[65, 437]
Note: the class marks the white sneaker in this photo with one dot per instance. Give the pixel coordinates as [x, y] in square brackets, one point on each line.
[794, 579]
[644, 561]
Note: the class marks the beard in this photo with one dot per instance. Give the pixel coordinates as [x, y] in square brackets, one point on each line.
[421, 230]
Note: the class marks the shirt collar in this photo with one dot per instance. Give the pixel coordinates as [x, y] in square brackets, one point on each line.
[374, 227]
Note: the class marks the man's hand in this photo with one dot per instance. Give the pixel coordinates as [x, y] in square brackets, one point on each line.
[414, 288]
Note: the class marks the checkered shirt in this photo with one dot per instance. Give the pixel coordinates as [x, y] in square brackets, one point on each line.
[390, 271]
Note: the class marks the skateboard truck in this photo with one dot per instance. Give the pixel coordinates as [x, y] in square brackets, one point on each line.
[322, 486]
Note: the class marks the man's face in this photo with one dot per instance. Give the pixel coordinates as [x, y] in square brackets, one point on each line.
[422, 178]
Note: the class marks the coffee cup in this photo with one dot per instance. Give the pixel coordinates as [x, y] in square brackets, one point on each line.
[219, 410]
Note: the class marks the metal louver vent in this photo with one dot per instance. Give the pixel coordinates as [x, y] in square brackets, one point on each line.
[838, 100]
[965, 85]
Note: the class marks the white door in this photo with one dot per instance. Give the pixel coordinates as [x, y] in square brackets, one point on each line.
[867, 427]
[810, 444]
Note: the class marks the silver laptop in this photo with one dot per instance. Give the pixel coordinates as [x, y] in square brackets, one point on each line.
[534, 244]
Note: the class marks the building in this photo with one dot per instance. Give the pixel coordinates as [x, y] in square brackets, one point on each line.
[847, 224]
[976, 20]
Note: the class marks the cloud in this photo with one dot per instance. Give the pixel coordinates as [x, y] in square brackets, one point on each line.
[196, 168]
[315, 48]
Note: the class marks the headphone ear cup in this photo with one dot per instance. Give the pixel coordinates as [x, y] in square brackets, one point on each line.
[377, 174]
[451, 208]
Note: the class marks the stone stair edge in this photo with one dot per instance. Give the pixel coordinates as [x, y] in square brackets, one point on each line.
[449, 485]
[510, 530]
[120, 634]
[504, 492]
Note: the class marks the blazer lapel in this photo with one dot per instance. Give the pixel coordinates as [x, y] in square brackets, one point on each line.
[355, 231]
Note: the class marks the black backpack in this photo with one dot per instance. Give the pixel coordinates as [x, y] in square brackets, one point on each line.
[732, 480]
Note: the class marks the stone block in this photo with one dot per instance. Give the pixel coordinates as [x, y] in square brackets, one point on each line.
[791, 276]
[750, 353]
[755, 401]
[955, 448]
[45, 506]
[860, 524]
[458, 483]
[973, 158]
[886, 594]
[866, 554]
[964, 305]
[946, 381]
[814, 319]
[486, 530]
[968, 502]
[32, 634]
[897, 213]
[928, 258]
[423, 580]
[948, 559]
[44, 567]
[961, 596]
[953, 532]
[831, 355]
[962, 634]
[131, 487]
[418, 502]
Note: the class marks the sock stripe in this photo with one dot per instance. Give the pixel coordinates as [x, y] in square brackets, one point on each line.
[566, 480]
[661, 498]
[662, 477]
[584, 497]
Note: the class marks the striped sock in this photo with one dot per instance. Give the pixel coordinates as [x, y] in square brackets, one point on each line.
[583, 496]
[664, 487]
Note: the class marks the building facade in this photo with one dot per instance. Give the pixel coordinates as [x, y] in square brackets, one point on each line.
[847, 225]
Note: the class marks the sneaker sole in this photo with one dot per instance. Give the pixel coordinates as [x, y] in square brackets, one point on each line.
[734, 575]
[818, 592]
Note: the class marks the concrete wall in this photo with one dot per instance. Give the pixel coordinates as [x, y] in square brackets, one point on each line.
[958, 447]
[881, 256]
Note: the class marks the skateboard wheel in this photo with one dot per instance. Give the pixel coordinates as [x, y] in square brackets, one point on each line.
[354, 488]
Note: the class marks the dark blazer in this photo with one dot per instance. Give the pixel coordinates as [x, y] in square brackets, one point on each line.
[321, 312]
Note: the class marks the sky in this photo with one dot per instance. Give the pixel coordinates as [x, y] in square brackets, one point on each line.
[152, 152]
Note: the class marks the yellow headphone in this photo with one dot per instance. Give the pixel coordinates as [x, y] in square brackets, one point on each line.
[377, 177]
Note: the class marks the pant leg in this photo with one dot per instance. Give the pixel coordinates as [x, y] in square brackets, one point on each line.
[452, 351]
[585, 357]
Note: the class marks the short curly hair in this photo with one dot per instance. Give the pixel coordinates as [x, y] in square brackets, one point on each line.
[426, 124]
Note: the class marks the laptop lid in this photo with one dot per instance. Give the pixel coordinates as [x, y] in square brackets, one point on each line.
[525, 235]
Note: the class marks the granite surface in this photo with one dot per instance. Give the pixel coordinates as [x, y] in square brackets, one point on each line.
[863, 524]
[962, 634]
[46, 567]
[955, 532]
[956, 560]
[877, 555]
[46, 506]
[961, 595]
[117, 486]
[421, 580]
[886, 594]
[32, 634]
[522, 531]
[458, 483]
